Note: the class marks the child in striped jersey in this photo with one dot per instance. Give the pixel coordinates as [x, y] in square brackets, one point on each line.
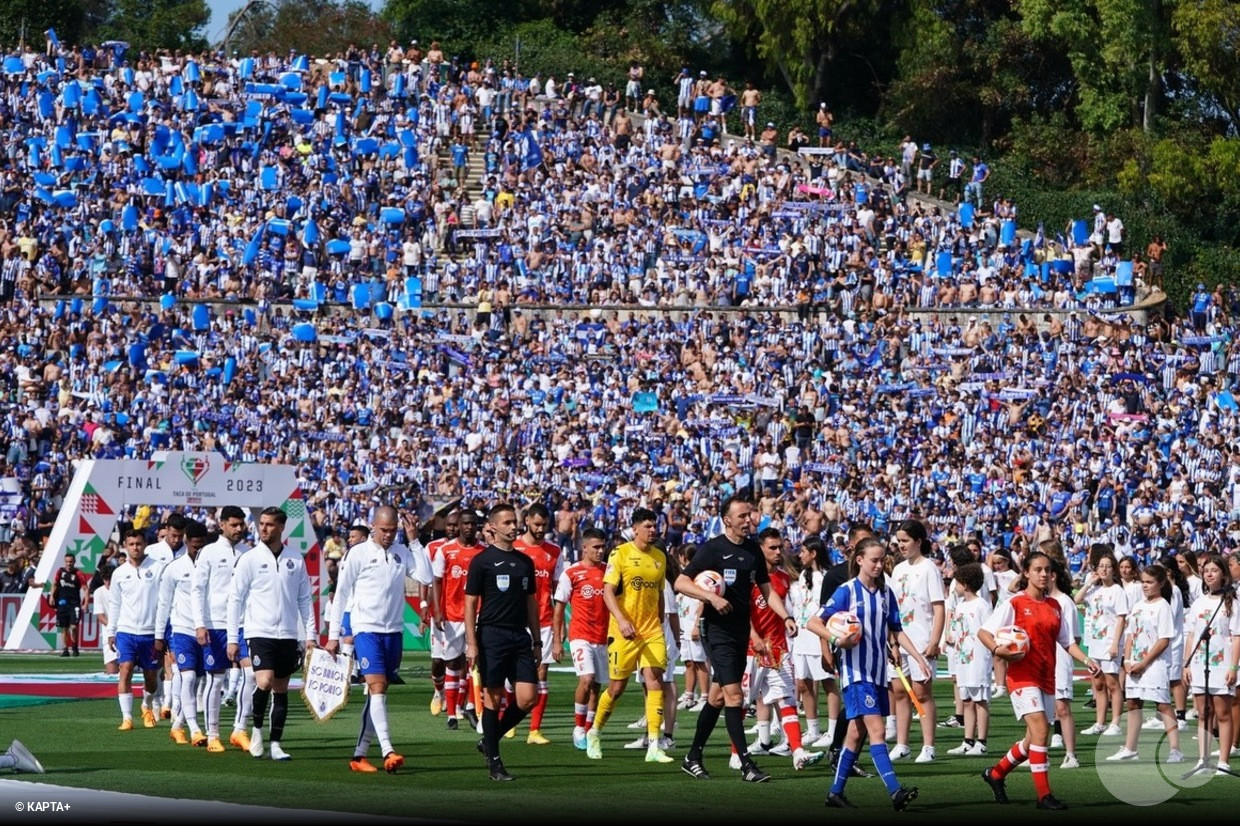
[863, 667]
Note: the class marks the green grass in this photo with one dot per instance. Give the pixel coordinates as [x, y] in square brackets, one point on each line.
[444, 777]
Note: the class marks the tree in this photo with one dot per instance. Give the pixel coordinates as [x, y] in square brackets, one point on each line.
[457, 24]
[158, 24]
[966, 69]
[1116, 51]
[73, 20]
[1207, 34]
[314, 27]
[800, 39]
[660, 36]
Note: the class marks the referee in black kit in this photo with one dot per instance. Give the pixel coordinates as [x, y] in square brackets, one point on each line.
[725, 625]
[503, 637]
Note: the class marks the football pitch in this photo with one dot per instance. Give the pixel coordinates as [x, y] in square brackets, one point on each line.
[444, 778]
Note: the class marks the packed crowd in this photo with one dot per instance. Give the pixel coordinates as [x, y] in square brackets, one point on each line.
[280, 176]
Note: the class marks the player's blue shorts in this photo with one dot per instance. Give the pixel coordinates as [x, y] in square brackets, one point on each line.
[215, 652]
[167, 637]
[378, 653]
[138, 649]
[243, 647]
[862, 699]
[187, 653]
[346, 624]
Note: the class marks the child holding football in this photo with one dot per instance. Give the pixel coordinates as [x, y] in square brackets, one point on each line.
[1031, 674]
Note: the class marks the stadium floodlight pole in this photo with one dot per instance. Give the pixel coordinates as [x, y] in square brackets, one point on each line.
[237, 17]
[1207, 705]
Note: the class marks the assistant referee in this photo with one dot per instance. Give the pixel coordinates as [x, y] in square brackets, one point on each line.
[503, 637]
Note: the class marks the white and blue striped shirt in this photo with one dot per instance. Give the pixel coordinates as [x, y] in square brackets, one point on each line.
[879, 612]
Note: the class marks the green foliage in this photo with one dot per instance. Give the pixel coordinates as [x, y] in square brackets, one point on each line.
[457, 24]
[1207, 264]
[1207, 34]
[1111, 45]
[965, 70]
[158, 24]
[70, 18]
[662, 37]
[798, 39]
[546, 50]
[315, 27]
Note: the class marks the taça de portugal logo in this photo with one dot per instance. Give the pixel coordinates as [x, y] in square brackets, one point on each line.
[1152, 778]
[195, 467]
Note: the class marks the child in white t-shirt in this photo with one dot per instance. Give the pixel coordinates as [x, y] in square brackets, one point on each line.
[1147, 661]
[972, 659]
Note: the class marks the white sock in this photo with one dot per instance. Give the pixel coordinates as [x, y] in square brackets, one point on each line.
[126, 703]
[234, 677]
[811, 728]
[245, 698]
[172, 696]
[764, 732]
[831, 728]
[148, 699]
[215, 698]
[378, 719]
[189, 702]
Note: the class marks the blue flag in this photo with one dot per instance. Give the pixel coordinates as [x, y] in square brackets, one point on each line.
[532, 155]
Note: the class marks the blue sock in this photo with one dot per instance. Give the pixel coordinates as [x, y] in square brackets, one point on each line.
[848, 758]
[882, 762]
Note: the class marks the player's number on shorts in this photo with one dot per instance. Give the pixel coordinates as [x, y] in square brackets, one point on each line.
[580, 655]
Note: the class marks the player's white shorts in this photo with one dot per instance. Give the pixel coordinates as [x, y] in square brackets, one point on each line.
[1030, 699]
[109, 654]
[974, 693]
[692, 651]
[1153, 691]
[589, 659]
[809, 667]
[1108, 665]
[450, 640]
[913, 670]
[768, 684]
